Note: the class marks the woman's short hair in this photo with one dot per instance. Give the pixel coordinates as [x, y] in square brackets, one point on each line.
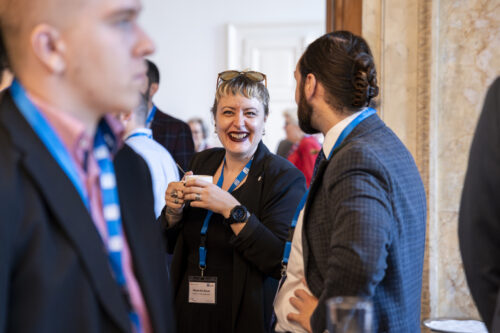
[242, 85]
[344, 65]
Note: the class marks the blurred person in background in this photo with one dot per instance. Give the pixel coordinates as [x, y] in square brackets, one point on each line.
[227, 236]
[160, 163]
[284, 148]
[305, 147]
[200, 134]
[172, 133]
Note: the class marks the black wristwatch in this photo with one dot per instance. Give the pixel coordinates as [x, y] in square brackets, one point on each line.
[239, 214]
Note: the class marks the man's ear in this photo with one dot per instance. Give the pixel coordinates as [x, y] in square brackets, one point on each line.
[310, 86]
[49, 48]
[153, 89]
[125, 117]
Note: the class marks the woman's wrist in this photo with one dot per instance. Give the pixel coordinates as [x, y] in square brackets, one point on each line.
[172, 216]
[230, 205]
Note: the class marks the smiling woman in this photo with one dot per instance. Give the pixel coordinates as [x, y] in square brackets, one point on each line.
[237, 251]
[240, 112]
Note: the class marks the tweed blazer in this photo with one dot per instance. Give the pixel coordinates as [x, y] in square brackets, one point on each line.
[175, 135]
[364, 228]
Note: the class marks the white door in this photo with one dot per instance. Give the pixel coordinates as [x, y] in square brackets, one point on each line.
[274, 50]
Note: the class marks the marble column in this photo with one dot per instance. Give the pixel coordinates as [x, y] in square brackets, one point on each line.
[467, 61]
[436, 59]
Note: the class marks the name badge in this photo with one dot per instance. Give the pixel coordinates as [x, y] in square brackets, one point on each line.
[202, 289]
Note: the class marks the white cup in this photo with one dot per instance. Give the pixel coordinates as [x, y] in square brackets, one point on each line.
[206, 178]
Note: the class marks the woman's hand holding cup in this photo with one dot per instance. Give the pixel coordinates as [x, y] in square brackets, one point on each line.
[175, 200]
[204, 194]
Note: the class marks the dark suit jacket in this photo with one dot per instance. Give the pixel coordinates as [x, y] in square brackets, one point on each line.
[479, 220]
[273, 190]
[54, 273]
[175, 135]
[364, 228]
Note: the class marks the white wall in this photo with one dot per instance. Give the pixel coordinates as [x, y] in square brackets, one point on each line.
[191, 45]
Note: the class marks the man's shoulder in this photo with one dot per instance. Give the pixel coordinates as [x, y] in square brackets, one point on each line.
[380, 145]
[127, 158]
[150, 148]
[164, 118]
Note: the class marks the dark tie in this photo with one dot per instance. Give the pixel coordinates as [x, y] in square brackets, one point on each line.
[319, 159]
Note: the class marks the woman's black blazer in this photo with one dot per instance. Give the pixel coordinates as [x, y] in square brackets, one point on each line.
[273, 190]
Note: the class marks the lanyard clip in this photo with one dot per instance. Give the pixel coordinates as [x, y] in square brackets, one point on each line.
[202, 269]
[283, 268]
[203, 240]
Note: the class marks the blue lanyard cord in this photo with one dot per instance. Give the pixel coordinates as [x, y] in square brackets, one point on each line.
[347, 130]
[151, 116]
[103, 142]
[139, 134]
[352, 125]
[204, 228]
[49, 138]
[103, 145]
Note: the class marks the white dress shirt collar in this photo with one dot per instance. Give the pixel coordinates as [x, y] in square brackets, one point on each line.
[333, 133]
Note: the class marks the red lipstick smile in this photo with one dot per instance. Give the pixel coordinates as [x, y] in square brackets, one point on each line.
[238, 136]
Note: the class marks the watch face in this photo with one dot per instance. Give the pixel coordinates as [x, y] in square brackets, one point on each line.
[239, 214]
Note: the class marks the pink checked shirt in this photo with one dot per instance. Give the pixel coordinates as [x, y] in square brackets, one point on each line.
[72, 133]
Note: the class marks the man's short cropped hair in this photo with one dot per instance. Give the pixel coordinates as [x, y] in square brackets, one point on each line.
[153, 73]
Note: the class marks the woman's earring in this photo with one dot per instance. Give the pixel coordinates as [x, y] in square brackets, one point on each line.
[263, 132]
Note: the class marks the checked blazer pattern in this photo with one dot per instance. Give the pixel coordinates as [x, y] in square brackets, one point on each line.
[175, 135]
[364, 228]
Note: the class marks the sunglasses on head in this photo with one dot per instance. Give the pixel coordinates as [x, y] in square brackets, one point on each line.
[252, 75]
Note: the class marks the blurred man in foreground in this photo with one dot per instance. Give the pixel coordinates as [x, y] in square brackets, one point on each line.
[161, 164]
[79, 245]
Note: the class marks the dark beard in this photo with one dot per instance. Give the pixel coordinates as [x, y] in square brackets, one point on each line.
[304, 114]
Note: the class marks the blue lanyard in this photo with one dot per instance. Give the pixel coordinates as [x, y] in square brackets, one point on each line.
[151, 116]
[49, 138]
[347, 130]
[103, 145]
[204, 228]
[139, 134]
[104, 138]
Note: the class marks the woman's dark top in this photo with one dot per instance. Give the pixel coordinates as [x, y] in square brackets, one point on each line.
[247, 266]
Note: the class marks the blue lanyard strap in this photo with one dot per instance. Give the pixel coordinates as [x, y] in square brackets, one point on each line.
[151, 116]
[347, 130]
[352, 125]
[48, 137]
[139, 134]
[204, 228]
[104, 142]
